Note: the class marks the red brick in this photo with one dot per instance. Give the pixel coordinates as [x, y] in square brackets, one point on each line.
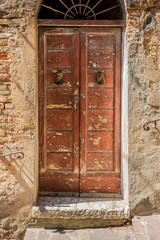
[3, 87]
[4, 66]
[5, 139]
[5, 56]
[10, 119]
[2, 133]
[4, 99]
[3, 42]
[5, 93]
[3, 119]
[9, 106]
[4, 76]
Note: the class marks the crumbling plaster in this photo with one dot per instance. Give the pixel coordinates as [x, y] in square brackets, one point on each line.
[19, 114]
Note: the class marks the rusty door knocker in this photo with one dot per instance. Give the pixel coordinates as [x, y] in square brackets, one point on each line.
[59, 77]
[100, 77]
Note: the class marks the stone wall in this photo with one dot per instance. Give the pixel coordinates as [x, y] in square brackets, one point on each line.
[17, 114]
[143, 40]
[18, 109]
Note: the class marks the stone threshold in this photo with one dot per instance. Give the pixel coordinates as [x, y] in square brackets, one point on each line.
[75, 212]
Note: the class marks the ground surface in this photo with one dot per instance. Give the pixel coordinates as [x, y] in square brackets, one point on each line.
[143, 228]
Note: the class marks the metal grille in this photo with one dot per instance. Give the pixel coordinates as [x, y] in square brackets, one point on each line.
[80, 9]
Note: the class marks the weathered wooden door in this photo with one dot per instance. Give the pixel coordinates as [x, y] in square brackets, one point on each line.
[79, 109]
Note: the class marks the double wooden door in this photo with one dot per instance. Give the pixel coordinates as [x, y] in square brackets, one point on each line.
[79, 110]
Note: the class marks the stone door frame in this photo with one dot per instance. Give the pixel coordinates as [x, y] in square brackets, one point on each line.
[121, 204]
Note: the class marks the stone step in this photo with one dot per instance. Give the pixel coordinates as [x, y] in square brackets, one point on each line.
[121, 233]
[143, 228]
[67, 212]
[146, 228]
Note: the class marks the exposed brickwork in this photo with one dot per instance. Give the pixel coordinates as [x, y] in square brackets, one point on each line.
[16, 122]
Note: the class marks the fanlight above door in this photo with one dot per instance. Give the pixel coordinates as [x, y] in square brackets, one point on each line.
[81, 9]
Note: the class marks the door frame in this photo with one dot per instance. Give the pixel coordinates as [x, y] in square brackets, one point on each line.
[124, 89]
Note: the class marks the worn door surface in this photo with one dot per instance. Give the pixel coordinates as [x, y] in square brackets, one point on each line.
[79, 110]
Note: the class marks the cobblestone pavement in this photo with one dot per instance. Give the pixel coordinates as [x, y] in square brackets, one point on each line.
[143, 228]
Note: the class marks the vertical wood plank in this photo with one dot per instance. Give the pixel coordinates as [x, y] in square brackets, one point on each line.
[96, 143]
[117, 102]
[83, 121]
[76, 104]
[41, 98]
[59, 170]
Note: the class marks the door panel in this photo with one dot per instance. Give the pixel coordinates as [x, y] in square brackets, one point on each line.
[101, 41]
[99, 141]
[90, 165]
[109, 78]
[59, 141]
[100, 59]
[59, 98]
[62, 161]
[63, 41]
[51, 74]
[100, 185]
[59, 111]
[100, 98]
[64, 119]
[100, 119]
[100, 103]
[99, 161]
[60, 58]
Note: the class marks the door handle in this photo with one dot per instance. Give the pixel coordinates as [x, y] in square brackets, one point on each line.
[100, 77]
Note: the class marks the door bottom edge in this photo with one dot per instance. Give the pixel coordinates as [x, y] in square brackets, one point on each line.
[81, 195]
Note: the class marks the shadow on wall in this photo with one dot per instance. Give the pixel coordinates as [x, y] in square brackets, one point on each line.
[15, 191]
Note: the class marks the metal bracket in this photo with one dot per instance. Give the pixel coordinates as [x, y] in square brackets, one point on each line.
[146, 127]
[20, 155]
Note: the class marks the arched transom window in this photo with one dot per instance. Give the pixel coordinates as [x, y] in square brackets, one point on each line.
[81, 10]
